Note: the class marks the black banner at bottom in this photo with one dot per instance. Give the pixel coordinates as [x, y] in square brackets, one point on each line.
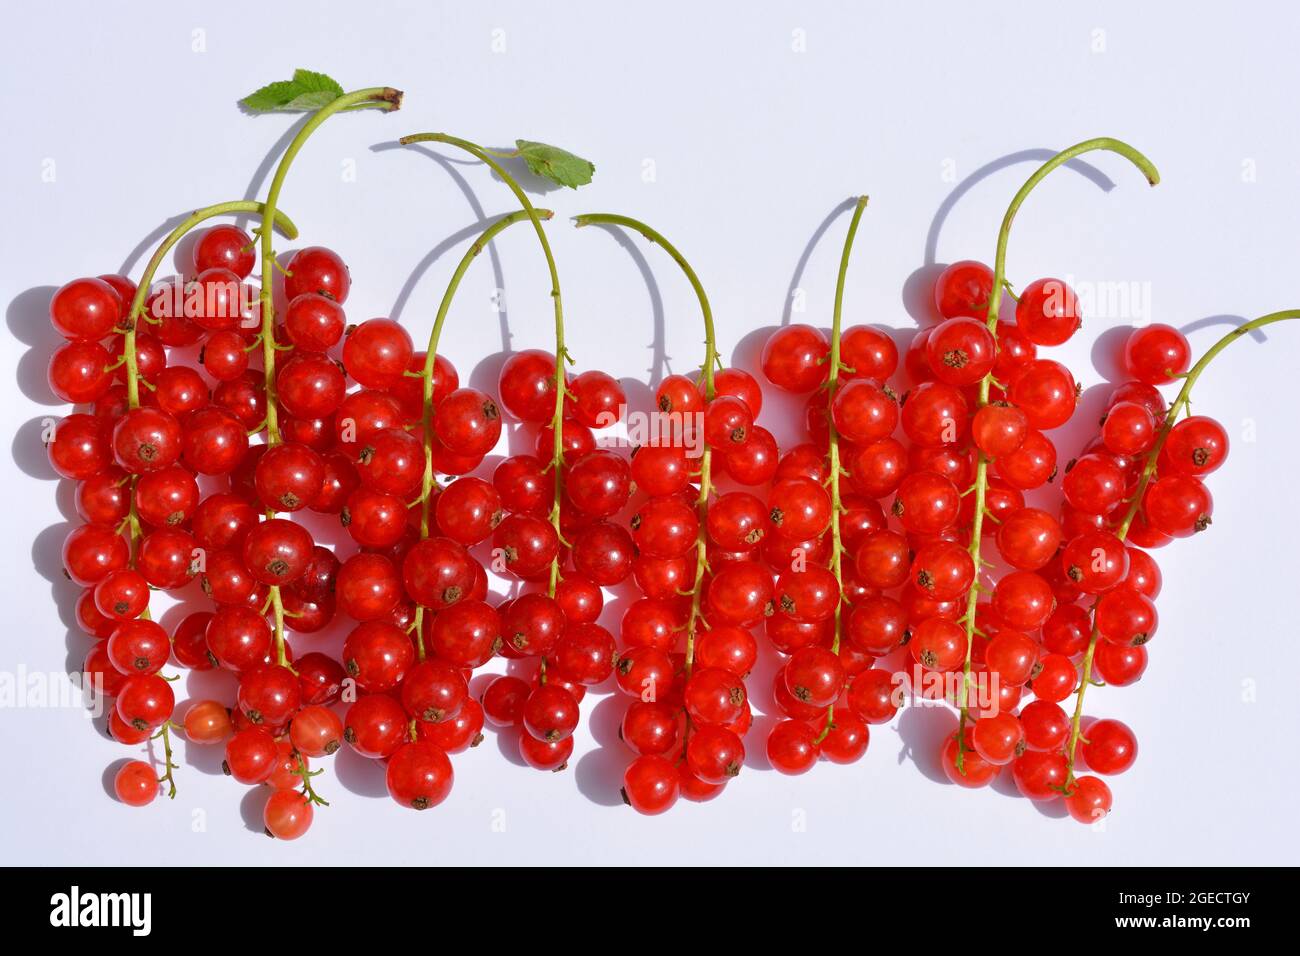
[153, 904]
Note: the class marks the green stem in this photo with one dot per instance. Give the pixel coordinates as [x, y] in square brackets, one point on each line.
[385, 98]
[308, 790]
[382, 97]
[430, 359]
[832, 382]
[1148, 469]
[981, 468]
[561, 353]
[710, 360]
[168, 764]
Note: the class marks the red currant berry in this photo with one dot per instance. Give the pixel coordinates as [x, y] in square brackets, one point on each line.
[1156, 354]
[794, 358]
[792, 747]
[136, 783]
[1047, 312]
[963, 288]
[1109, 746]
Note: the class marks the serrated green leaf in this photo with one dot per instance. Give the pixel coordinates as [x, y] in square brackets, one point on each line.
[558, 165]
[306, 92]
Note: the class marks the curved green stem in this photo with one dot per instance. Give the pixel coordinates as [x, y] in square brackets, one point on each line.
[981, 469]
[561, 353]
[710, 360]
[430, 359]
[382, 97]
[385, 98]
[836, 469]
[1148, 469]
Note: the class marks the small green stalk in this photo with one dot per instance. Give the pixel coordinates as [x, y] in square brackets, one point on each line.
[428, 482]
[836, 469]
[710, 361]
[561, 354]
[981, 468]
[1179, 405]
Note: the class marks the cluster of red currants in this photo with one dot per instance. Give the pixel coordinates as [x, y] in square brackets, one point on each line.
[859, 550]
[974, 420]
[698, 559]
[563, 544]
[171, 490]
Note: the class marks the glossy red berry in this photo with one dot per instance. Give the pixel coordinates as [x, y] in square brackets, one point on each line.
[314, 322]
[585, 653]
[975, 771]
[727, 422]
[136, 783]
[86, 310]
[91, 552]
[935, 414]
[317, 269]
[1047, 312]
[963, 288]
[960, 351]
[598, 400]
[527, 386]
[525, 544]
[800, 508]
[225, 247]
[794, 358]
[868, 352]
[1156, 354]
[1109, 746]
[1095, 561]
[375, 726]
[145, 701]
[122, 594]
[792, 747]
[1129, 429]
[251, 755]
[1023, 599]
[650, 784]
[1039, 775]
[1031, 465]
[740, 594]
[146, 439]
[288, 477]
[926, 503]
[943, 570]
[277, 551]
[755, 462]
[550, 713]
[213, 441]
[433, 691]
[599, 483]
[438, 572]
[1126, 616]
[603, 552]
[999, 429]
[863, 412]
[419, 775]
[1045, 391]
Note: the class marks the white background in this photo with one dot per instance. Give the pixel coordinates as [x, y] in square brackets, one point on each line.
[758, 120]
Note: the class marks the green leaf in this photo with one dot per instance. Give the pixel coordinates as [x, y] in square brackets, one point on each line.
[558, 165]
[306, 92]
